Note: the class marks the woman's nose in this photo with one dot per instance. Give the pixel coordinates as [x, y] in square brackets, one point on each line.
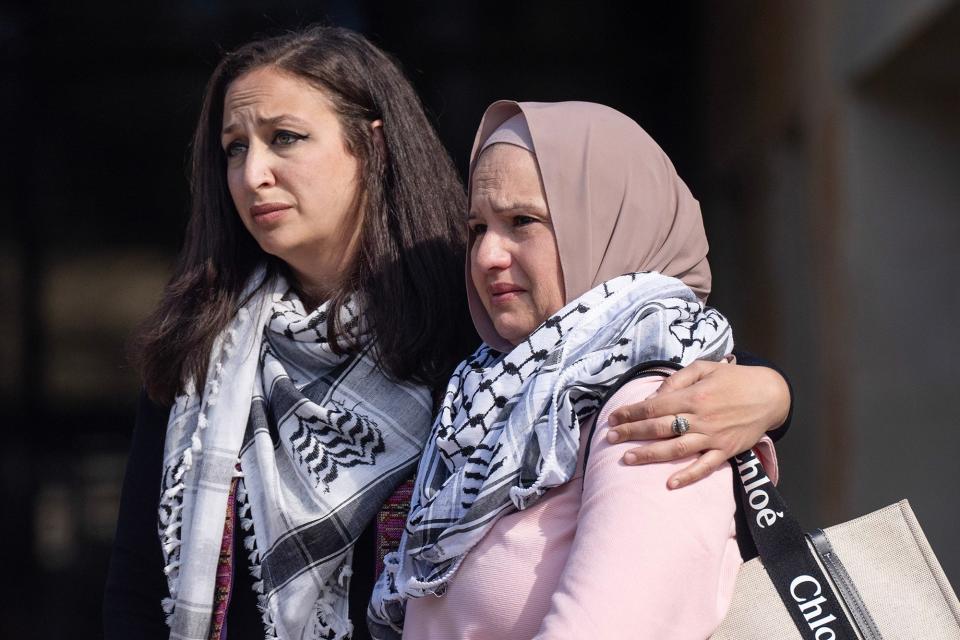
[258, 169]
[492, 251]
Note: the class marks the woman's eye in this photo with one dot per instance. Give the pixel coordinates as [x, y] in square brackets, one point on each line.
[478, 229]
[519, 221]
[286, 138]
[235, 148]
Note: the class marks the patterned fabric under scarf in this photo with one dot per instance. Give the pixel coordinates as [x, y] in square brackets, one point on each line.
[224, 584]
[390, 520]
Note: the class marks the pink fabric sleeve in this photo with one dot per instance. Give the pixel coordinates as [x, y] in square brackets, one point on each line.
[645, 562]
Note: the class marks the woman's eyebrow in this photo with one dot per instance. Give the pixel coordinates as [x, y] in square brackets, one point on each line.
[263, 121]
[280, 119]
[508, 207]
[514, 205]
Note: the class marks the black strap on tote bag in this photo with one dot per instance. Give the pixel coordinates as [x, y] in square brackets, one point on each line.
[808, 578]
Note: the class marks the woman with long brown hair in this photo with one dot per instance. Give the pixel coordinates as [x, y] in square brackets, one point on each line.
[292, 366]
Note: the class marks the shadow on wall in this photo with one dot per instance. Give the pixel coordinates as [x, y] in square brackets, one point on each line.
[902, 238]
[833, 163]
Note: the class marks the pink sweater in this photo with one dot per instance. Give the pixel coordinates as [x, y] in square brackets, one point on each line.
[610, 554]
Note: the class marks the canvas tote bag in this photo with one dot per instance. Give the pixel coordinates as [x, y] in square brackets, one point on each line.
[870, 578]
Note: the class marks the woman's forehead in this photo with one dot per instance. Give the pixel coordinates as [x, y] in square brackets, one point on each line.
[272, 88]
[504, 175]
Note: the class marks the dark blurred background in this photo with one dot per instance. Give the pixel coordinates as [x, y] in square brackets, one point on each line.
[822, 139]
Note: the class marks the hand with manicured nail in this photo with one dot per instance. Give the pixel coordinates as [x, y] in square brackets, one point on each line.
[729, 408]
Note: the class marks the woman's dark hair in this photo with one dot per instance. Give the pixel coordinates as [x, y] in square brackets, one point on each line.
[410, 260]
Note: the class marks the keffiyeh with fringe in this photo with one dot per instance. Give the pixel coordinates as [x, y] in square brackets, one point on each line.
[318, 441]
[509, 425]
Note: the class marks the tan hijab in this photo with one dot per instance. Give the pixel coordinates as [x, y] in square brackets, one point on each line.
[616, 201]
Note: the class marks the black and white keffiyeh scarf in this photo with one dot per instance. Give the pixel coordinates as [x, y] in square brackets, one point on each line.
[317, 440]
[509, 426]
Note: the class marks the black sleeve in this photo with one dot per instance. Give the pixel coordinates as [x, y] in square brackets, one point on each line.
[135, 583]
[747, 358]
[361, 584]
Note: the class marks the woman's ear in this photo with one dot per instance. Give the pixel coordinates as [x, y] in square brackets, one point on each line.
[377, 128]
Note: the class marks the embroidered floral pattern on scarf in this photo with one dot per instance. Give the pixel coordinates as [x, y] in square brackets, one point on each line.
[322, 439]
[509, 426]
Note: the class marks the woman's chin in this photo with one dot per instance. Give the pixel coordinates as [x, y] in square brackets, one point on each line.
[275, 245]
[513, 330]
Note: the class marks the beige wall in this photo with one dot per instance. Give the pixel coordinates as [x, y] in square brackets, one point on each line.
[835, 164]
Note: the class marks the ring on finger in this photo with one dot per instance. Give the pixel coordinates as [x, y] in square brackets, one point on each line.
[680, 425]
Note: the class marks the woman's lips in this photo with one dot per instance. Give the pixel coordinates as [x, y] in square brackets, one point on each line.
[502, 293]
[269, 212]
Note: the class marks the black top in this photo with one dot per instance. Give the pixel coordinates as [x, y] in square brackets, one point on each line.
[135, 581]
[747, 358]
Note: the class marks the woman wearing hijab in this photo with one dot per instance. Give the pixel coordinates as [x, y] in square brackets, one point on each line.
[292, 365]
[587, 277]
